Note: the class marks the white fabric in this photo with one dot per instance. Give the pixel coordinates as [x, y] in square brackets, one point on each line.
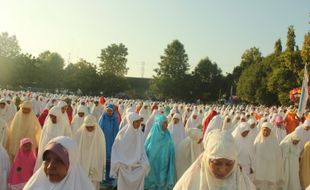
[75, 179]
[280, 133]
[4, 168]
[191, 122]
[304, 135]
[291, 155]
[188, 151]
[245, 149]
[4, 112]
[215, 123]
[268, 167]
[97, 111]
[199, 176]
[145, 112]
[92, 149]
[228, 125]
[3, 132]
[177, 131]
[129, 163]
[150, 123]
[50, 131]
[77, 121]
[64, 116]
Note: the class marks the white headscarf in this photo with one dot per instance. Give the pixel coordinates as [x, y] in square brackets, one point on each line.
[191, 122]
[145, 112]
[92, 149]
[77, 121]
[129, 162]
[75, 179]
[177, 130]
[268, 168]
[4, 168]
[291, 154]
[3, 132]
[245, 148]
[303, 134]
[228, 125]
[199, 176]
[50, 131]
[215, 123]
[188, 151]
[128, 146]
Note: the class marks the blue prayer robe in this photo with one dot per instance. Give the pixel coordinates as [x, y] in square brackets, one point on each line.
[159, 148]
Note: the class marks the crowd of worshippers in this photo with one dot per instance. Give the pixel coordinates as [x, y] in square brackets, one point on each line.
[52, 141]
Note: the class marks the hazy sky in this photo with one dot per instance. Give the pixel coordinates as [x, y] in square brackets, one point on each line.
[219, 29]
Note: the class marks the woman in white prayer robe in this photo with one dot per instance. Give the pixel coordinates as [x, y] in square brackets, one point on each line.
[304, 133]
[4, 168]
[64, 116]
[151, 120]
[129, 162]
[3, 132]
[176, 129]
[61, 169]
[228, 125]
[52, 128]
[253, 130]
[97, 110]
[192, 121]
[245, 149]
[145, 112]
[215, 123]
[216, 168]
[92, 149]
[188, 151]
[291, 153]
[78, 119]
[279, 128]
[268, 167]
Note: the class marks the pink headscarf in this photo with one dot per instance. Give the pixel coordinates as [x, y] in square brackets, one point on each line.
[22, 168]
[278, 121]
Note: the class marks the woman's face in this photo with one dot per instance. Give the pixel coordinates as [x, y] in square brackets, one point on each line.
[175, 120]
[26, 110]
[165, 125]
[109, 112]
[64, 109]
[252, 126]
[221, 167]
[54, 168]
[90, 128]
[53, 119]
[245, 133]
[136, 124]
[266, 132]
[81, 114]
[295, 142]
[27, 147]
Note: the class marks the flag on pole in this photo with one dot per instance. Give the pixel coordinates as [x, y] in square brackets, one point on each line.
[304, 94]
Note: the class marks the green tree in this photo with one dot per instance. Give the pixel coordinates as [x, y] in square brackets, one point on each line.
[81, 75]
[278, 47]
[209, 80]
[113, 59]
[250, 56]
[305, 52]
[172, 80]
[174, 63]
[50, 66]
[8, 45]
[290, 39]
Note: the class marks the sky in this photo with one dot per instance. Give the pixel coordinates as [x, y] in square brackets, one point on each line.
[220, 29]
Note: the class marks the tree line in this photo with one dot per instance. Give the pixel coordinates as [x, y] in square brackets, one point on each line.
[258, 79]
